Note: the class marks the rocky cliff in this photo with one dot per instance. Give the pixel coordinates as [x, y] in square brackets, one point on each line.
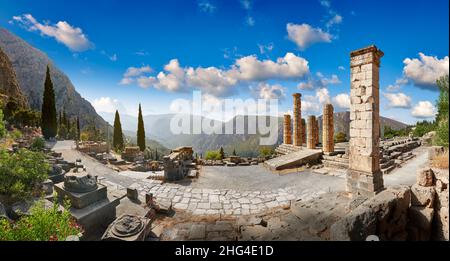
[30, 65]
[9, 87]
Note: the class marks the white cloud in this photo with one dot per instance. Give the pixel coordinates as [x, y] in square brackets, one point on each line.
[206, 7]
[342, 101]
[424, 109]
[265, 48]
[320, 81]
[304, 35]
[342, 68]
[218, 81]
[113, 57]
[323, 95]
[137, 71]
[246, 4]
[250, 21]
[267, 91]
[325, 3]
[108, 104]
[288, 67]
[63, 32]
[426, 70]
[398, 100]
[336, 19]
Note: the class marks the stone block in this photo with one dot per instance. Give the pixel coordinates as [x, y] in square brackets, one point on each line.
[128, 228]
[425, 177]
[132, 193]
[422, 196]
[421, 218]
[81, 200]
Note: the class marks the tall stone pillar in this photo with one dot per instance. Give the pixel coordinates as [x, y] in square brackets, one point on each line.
[287, 137]
[311, 137]
[303, 131]
[364, 176]
[316, 131]
[327, 129]
[297, 120]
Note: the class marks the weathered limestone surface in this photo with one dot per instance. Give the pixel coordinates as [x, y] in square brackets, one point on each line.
[303, 131]
[384, 215]
[297, 120]
[316, 131]
[311, 137]
[364, 176]
[328, 129]
[287, 137]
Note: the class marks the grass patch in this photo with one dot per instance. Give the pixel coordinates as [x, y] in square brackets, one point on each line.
[440, 160]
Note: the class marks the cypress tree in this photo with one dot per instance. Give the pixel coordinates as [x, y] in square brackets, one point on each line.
[78, 129]
[48, 116]
[234, 152]
[222, 153]
[140, 131]
[156, 154]
[118, 135]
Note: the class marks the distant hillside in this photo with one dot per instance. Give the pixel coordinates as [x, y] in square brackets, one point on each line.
[30, 66]
[9, 87]
[157, 127]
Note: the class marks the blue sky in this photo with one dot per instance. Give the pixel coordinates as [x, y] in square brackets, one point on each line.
[120, 53]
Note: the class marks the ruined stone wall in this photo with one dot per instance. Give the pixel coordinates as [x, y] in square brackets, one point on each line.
[364, 176]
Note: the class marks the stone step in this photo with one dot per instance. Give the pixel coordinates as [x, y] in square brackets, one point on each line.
[335, 164]
[387, 170]
[293, 159]
[387, 164]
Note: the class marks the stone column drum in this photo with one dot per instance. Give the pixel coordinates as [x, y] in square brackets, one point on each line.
[297, 120]
[316, 131]
[287, 137]
[364, 176]
[328, 129]
[304, 131]
[311, 139]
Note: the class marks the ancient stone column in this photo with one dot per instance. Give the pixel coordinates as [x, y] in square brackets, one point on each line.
[327, 129]
[316, 131]
[297, 120]
[287, 137]
[364, 176]
[311, 137]
[303, 131]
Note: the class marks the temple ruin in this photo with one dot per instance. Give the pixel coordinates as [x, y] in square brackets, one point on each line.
[297, 119]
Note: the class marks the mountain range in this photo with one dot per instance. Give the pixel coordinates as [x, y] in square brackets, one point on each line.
[157, 127]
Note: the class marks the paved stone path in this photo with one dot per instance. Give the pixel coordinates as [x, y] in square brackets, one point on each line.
[208, 198]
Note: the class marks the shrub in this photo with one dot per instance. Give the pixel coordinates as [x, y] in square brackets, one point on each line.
[440, 160]
[21, 173]
[441, 138]
[2, 125]
[41, 225]
[423, 128]
[266, 151]
[340, 137]
[38, 144]
[16, 134]
[213, 155]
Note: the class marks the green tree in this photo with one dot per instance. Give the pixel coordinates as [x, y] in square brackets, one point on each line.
[2, 125]
[118, 134]
[442, 103]
[140, 131]
[222, 153]
[234, 152]
[340, 137]
[156, 154]
[48, 116]
[213, 155]
[78, 129]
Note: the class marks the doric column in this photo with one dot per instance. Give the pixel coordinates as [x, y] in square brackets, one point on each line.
[297, 120]
[328, 129]
[316, 131]
[287, 138]
[311, 138]
[303, 131]
[364, 176]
